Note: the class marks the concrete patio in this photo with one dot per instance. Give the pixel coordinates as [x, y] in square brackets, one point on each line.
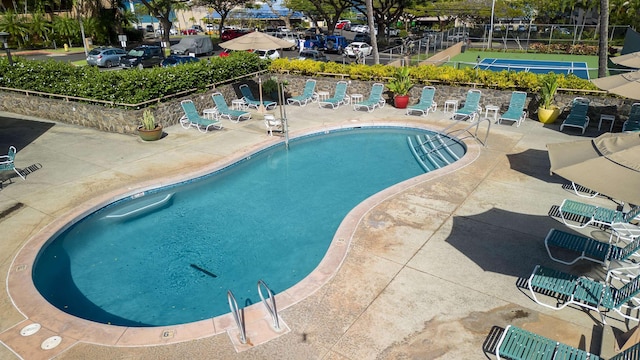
[430, 271]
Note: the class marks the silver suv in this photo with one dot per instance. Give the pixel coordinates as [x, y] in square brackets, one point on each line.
[312, 55]
[105, 57]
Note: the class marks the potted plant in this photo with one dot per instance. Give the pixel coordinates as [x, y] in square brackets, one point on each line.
[149, 130]
[547, 111]
[270, 87]
[400, 86]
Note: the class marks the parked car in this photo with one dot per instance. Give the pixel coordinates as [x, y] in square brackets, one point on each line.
[194, 44]
[343, 25]
[356, 48]
[172, 31]
[197, 28]
[268, 54]
[335, 43]
[105, 57]
[362, 37]
[358, 28]
[231, 34]
[288, 36]
[173, 60]
[312, 55]
[314, 42]
[189, 32]
[143, 56]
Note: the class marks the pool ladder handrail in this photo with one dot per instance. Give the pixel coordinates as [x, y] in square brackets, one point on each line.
[269, 303]
[473, 123]
[238, 316]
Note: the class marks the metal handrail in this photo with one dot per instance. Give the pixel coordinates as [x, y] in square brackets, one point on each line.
[237, 316]
[269, 303]
[475, 123]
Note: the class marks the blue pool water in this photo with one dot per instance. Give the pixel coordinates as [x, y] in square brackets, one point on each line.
[170, 256]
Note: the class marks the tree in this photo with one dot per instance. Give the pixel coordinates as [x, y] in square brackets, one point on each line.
[374, 36]
[39, 27]
[65, 27]
[15, 25]
[603, 46]
[330, 10]
[223, 8]
[384, 11]
[161, 9]
[286, 18]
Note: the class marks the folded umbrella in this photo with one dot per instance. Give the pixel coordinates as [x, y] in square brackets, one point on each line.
[608, 164]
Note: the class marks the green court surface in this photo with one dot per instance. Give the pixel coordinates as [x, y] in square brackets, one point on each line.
[469, 58]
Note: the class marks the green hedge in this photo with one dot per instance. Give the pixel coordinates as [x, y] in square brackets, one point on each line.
[130, 86]
[431, 74]
[136, 86]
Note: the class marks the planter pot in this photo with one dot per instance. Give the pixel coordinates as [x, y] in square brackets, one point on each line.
[150, 135]
[401, 101]
[548, 116]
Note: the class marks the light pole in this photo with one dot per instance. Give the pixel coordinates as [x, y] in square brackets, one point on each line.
[4, 37]
[493, 9]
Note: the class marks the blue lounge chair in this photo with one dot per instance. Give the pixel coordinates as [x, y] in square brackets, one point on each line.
[338, 98]
[579, 215]
[520, 344]
[587, 293]
[471, 106]
[515, 112]
[248, 98]
[224, 111]
[426, 103]
[192, 118]
[577, 117]
[7, 161]
[588, 248]
[375, 99]
[308, 94]
[633, 122]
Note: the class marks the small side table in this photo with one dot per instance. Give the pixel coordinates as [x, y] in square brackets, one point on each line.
[356, 98]
[451, 104]
[323, 95]
[237, 104]
[493, 108]
[605, 117]
[210, 114]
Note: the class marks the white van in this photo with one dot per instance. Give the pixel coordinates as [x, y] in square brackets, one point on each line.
[290, 37]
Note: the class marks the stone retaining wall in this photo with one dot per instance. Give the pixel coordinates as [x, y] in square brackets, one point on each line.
[168, 113]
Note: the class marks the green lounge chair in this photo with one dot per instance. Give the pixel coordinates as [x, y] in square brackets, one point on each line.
[7, 161]
[579, 215]
[338, 98]
[633, 122]
[520, 344]
[224, 111]
[375, 99]
[587, 293]
[515, 112]
[588, 248]
[577, 117]
[471, 106]
[426, 103]
[250, 101]
[308, 94]
[192, 118]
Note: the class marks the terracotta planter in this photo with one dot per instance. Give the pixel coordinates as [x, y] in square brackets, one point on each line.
[401, 101]
[150, 135]
[548, 116]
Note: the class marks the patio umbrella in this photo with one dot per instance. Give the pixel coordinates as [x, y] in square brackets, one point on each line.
[608, 164]
[260, 41]
[631, 60]
[627, 85]
[256, 40]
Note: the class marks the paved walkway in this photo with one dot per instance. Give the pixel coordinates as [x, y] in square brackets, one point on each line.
[430, 271]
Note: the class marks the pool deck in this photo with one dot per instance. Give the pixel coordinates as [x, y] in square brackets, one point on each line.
[432, 267]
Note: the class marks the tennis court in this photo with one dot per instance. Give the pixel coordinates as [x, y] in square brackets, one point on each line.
[579, 69]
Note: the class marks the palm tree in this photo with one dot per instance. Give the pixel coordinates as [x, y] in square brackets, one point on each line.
[372, 31]
[603, 46]
[66, 27]
[15, 25]
[39, 26]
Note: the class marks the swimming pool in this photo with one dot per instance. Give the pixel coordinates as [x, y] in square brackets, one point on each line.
[271, 196]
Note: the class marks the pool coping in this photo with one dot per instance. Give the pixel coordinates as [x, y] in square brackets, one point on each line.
[28, 301]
